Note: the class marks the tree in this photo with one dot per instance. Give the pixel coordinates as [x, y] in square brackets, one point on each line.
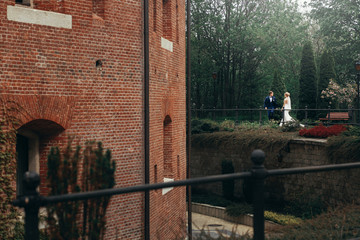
[340, 30]
[243, 41]
[278, 87]
[327, 72]
[307, 81]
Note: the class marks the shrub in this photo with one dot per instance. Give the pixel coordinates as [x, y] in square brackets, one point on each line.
[204, 126]
[281, 218]
[227, 125]
[322, 131]
[304, 207]
[228, 185]
[339, 223]
[291, 126]
[238, 209]
[63, 177]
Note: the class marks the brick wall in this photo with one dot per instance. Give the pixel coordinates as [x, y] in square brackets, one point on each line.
[88, 80]
[331, 187]
[168, 111]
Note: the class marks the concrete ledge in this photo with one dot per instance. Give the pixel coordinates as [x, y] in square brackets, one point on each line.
[166, 44]
[219, 212]
[313, 141]
[34, 16]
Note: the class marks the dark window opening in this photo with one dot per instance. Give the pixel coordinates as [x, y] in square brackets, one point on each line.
[23, 2]
[167, 148]
[22, 149]
[98, 64]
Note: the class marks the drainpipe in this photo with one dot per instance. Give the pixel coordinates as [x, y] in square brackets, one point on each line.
[188, 101]
[146, 119]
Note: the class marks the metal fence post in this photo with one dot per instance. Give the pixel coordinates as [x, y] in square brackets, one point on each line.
[214, 114]
[259, 174]
[306, 115]
[260, 115]
[236, 115]
[328, 121]
[353, 118]
[31, 201]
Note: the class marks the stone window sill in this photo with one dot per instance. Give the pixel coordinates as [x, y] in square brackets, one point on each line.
[29, 15]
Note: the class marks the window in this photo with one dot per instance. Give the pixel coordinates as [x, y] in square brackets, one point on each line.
[154, 14]
[99, 8]
[24, 2]
[27, 148]
[167, 148]
[167, 28]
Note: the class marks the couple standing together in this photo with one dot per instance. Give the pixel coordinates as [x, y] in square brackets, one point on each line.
[270, 104]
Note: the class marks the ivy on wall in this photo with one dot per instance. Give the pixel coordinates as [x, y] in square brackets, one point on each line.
[9, 216]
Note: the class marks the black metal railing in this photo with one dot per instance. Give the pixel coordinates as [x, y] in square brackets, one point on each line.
[260, 114]
[31, 201]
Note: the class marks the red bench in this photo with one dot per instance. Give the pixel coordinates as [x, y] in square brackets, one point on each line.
[336, 116]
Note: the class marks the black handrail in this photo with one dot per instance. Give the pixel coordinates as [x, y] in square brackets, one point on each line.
[32, 201]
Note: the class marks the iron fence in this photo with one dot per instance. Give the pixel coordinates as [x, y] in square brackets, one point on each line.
[309, 116]
[31, 201]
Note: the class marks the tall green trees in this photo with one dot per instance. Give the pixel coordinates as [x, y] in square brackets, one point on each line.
[339, 22]
[307, 97]
[243, 42]
[327, 72]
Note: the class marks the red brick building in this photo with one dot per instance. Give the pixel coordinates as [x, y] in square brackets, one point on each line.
[76, 67]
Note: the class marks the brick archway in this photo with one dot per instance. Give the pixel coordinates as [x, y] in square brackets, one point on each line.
[28, 108]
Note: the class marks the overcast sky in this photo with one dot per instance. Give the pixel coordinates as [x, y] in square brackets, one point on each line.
[301, 3]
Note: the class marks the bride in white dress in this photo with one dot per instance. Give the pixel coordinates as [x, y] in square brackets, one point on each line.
[286, 108]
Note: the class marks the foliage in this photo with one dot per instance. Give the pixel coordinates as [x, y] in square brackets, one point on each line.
[281, 218]
[291, 126]
[63, 177]
[346, 147]
[339, 30]
[303, 206]
[227, 125]
[242, 42]
[339, 223]
[335, 93]
[228, 185]
[239, 209]
[307, 81]
[327, 72]
[9, 216]
[278, 87]
[204, 126]
[322, 131]
[99, 172]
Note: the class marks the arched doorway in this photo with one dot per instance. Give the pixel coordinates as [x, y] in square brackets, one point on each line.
[28, 140]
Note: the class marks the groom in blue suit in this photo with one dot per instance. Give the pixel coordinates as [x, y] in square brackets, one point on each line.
[270, 104]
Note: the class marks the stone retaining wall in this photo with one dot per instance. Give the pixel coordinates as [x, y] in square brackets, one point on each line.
[219, 212]
[330, 187]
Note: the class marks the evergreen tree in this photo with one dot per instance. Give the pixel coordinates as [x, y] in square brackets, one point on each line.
[307, 95]
[327, 72]
[278, 87]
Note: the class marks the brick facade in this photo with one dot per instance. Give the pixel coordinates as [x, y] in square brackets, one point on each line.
[79, 71]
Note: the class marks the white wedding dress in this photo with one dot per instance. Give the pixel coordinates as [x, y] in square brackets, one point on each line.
[287, 108]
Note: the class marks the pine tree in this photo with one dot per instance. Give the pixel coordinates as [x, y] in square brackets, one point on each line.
[307, 95]
[327, 72]
[278, 87]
